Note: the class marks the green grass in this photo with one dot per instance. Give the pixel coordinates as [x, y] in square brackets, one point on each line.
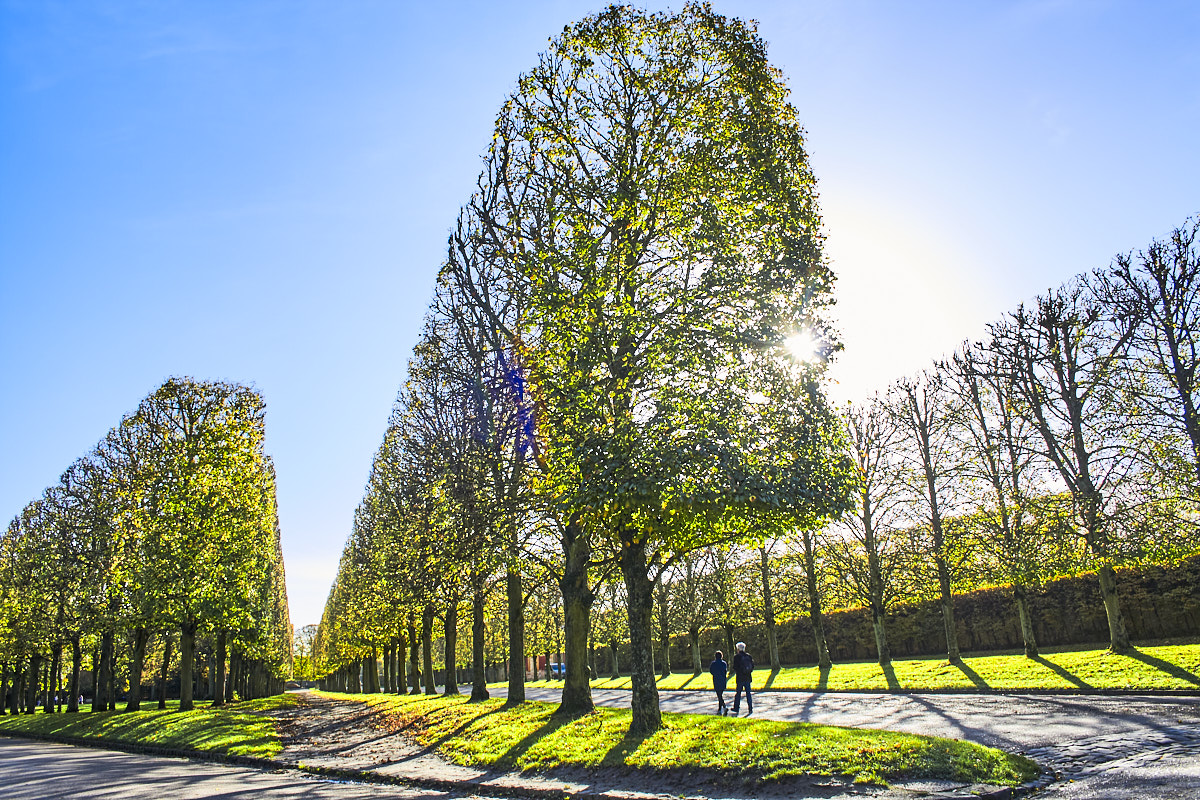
[528, 737]
[1161, 667]
[235, 731]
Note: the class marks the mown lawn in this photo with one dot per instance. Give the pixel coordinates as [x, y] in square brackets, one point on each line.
[1159, 667]
[234, 731]
[530, 738]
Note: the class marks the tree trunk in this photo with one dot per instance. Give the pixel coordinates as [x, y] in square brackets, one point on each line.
[814, 603]
[138, 659]
[4, 689]
[516, 636]
[664, 627]
[479, 690]
[881, 645]
[401, 661]
[694, 643]
[646, 715]
[616, 665]
[162, 680]
[1118, 635]
[76, 668]
[31, 683]
[450, 636]
[769, 608]
[187, 654]
[100, 673]
[427, 646]
[219, 685]
[1022, 597]
[52, 690]
[414, 655]
[577, 608]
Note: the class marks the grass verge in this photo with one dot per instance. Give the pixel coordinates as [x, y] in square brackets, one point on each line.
[1161, 667]
[529, 737]
[231, 731]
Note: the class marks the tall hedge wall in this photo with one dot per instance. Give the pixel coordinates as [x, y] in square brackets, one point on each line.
[1158, 602]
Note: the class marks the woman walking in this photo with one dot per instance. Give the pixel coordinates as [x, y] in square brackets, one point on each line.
[720, 674]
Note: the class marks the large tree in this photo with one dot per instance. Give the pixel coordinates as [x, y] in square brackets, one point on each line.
[648, 195]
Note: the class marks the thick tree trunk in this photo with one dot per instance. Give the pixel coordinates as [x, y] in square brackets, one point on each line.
[187, 655]
[816, 615]
[450, 635]
[764, 570]
[516, 636]
[479, 690]
[166, 664]
[1118, 635]
[136, 661]
[577, 608]
[427, 646]
[100, 673]
[1021, 595]
[222, 654]
[646, 715]
[414, 655]
[31, 683]
[53, 692]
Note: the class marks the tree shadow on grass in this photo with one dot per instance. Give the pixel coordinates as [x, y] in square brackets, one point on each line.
[1173, 670]
[514, 753]
[770, 680]
[620, 752]
[971, 674]
[823, 679]
[685, 684]
[889, 675]
[1070, 677]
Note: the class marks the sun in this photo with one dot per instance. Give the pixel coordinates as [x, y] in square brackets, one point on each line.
[802, 346]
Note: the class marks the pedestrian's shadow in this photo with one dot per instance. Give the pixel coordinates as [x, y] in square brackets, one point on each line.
[889, 674]
[971, 674]
[1173, 670]
[1069, 677]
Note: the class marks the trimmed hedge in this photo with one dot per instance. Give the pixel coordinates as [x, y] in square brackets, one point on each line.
[1158, 602]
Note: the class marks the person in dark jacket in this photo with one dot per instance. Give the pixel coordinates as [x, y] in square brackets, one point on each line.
[743, 670]
[720, 672]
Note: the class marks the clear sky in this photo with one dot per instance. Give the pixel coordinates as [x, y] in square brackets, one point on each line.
[261, 192]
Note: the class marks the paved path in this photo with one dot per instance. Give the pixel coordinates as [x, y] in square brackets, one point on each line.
[1102, 746]
[49, 771]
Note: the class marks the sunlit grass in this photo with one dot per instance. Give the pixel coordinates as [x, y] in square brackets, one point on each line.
[528, 737]
[1160, 667]
[234, 731]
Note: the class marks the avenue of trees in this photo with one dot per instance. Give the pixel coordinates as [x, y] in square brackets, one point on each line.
[155, 557]
[613, 430]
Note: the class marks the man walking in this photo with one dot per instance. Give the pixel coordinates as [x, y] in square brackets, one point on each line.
[743, 670]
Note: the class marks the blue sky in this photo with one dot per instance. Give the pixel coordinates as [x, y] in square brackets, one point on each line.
[261, 192]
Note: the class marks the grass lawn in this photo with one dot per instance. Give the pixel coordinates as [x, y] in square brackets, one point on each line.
[1160, 667]
[232, 731]
[529, 738]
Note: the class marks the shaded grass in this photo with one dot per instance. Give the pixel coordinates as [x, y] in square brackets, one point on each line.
[529, 737]
[1159, 667]
[234, 731]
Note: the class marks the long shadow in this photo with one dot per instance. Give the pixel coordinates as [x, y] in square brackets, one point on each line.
[617, 755]
[823, 679]
[890, 675]
[971, 674]
[459, 729]
[689, 680]
[1062, 673]
[510, 757]
[770, 680]
[1173, 670]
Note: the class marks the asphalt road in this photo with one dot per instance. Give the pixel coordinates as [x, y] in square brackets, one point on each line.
[48, 771]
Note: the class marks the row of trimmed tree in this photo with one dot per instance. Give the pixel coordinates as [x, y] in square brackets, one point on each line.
[165, 535]
[604, 389]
